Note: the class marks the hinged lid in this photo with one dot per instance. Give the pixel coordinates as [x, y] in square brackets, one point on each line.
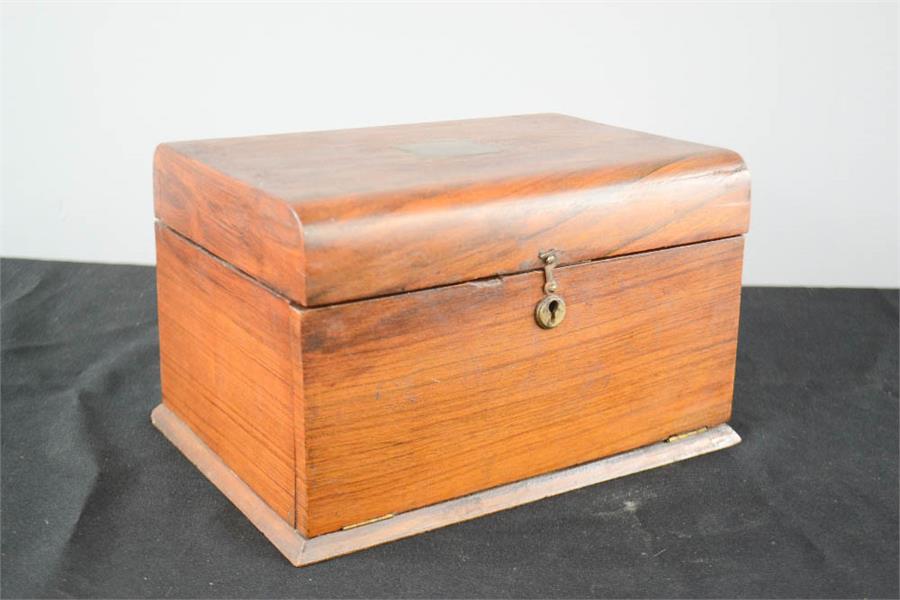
[333, 216]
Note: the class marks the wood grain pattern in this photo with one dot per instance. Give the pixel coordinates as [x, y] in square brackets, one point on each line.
[328, 217]
[227, 367]
[302, 551]
[253, 231]
[301, 485]
[414, 399]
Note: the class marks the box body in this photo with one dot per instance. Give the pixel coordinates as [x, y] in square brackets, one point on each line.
[367, 385]
[338, 415]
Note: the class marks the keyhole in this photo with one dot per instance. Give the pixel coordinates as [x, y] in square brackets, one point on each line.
[554, 304]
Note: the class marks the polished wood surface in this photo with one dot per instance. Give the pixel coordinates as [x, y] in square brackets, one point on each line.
[414, 399]
[301, 551]
[227, 367]
[328, 217]
[253, 231]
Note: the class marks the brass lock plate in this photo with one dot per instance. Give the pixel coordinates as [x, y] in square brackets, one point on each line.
[550, 311]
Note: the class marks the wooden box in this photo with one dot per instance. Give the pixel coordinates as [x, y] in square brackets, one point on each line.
[369, 333]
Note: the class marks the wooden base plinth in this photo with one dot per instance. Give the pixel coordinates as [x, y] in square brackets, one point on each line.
[302, 551]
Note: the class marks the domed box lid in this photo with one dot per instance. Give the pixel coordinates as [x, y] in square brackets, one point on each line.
[336, 216]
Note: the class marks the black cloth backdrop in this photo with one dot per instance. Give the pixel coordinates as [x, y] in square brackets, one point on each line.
[96, 503]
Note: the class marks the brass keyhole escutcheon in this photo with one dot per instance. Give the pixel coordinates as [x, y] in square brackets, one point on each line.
[550, 311]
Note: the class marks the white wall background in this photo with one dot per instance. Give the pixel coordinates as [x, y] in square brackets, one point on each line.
[806, 92]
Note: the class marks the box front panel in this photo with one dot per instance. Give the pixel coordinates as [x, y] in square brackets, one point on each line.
[414, 399]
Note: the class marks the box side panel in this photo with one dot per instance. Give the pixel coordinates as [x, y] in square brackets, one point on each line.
[227, 367]
[415, 399]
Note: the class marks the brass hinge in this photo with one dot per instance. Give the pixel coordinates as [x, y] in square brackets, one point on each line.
[369, 522]
[686, 434]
